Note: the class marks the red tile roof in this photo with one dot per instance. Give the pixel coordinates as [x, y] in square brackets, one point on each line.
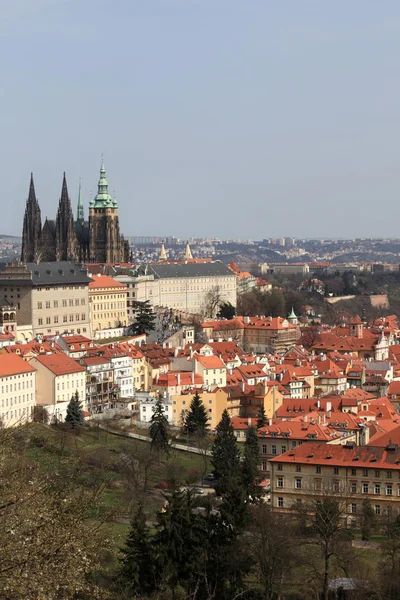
[103, 281]
[342, 456]
[10, 364]
[59, 364]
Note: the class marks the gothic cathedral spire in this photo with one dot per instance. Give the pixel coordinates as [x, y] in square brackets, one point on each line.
[80, 215]
[32, 226]
[66, 243]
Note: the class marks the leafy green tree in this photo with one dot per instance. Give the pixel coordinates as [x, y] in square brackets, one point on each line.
[144, 318]
[74, 411]
[368, 521]
[226, 310]
[137, 574]
[196, 420]
[262, 418]
[225, 454]
[251, 473]
[159, 428]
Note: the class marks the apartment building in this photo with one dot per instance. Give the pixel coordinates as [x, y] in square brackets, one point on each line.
[108, 303]
[257, 334]
[214, 402]
[50, 298]
[100, 392]
[59, 377]
[212, 369]
[18, 390]
[348, 472]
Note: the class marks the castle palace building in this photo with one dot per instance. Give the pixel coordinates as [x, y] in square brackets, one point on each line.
[96, 240]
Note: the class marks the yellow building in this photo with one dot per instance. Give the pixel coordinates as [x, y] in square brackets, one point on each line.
[108, 303]
[215, 403]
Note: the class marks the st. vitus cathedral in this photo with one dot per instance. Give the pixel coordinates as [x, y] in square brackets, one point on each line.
[97, 240]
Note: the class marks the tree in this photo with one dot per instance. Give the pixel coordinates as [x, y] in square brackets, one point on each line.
[225, 454]
[159, 428]
[212, 300]
[251, 473]
[196, 420]
[74, 411]
[137, 574]
[226, 310]
[272, 546]
[325, 515]
[178, 543]
[50, 536]
[368, 520]
[144, 318]
[40, 414]
[262, 418]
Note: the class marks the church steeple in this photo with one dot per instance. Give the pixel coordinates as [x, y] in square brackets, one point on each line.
[103, 198]
[163, 254]
[80, 215]
[188, 253]
[65, 232]
[32, 226]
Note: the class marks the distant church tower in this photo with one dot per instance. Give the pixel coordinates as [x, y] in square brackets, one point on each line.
[105, 238]
[66, 242]
[32, 227]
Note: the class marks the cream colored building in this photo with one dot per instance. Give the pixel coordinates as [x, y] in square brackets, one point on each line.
[108, 303]
[180, 286]
[51, 298]
[212, 369]
[347, 472]
[17, 390]
[58, 378]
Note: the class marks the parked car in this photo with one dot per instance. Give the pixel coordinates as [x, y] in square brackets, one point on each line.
[210, 477]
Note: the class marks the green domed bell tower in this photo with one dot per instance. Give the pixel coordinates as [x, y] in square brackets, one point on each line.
[105, 237]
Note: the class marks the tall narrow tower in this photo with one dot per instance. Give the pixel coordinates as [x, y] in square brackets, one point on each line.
[32, 226]
[80, 215]
[105, 238]
[66, 243]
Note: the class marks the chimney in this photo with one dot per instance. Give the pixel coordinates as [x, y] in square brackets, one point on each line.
[270, 422]
[164, 345]
[191, 351]
[178, 377]
[328, 414]
[157, 376]
[176, 352]
[242, 385]
[319, 404]
[305, 418]
[323, 419]
[246, 320]
[328, 406]
[319, 420]
[249, 422]
[192, 375]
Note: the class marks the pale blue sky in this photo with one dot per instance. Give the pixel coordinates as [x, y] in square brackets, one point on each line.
[230, 118]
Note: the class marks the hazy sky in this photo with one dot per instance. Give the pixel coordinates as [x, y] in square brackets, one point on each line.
[229, 118]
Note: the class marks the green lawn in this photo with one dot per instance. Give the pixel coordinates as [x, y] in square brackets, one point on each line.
[103, 451]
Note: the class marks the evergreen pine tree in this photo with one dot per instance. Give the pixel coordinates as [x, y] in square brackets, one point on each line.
[226, 311]
[251, 473]
[196, 420]
[144, 318]
[225, 454]
[179, 541]
[74, 411]
[159, 428]
[262, 418]
[137, 574]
